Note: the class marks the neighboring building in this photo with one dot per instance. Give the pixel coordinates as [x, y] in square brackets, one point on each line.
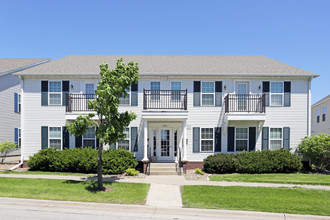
[188, 107]
[320, 121]
[10, 97]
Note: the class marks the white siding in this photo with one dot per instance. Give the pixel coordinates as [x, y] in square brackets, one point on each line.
[294, 116]
[9, 120]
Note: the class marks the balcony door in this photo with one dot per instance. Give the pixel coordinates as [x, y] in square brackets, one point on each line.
[242, 91]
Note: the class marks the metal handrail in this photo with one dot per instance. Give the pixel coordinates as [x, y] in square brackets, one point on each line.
[165, 99]
[245, 103]
[78, 102]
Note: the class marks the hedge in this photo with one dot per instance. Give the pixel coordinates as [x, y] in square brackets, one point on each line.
[265, 161]
[82, 160]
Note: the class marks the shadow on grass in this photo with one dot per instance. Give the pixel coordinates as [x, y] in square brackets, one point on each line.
[90, 186]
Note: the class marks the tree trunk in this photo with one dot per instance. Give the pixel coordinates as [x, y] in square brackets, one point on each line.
[99, 169]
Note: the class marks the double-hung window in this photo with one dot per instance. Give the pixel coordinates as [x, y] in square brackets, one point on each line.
[318, 115]
[125, 100]
[19, 103]
[155, 93]
[207, 140]
[124, 144]
[176, 90]
[242, 139]
[275, 138]
[207, 93]
[55, 139]
[19, 137]
[89, 139]
[55, 93]
[323, 113]
[276, 96]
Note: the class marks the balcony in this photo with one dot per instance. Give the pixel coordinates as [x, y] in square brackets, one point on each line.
[247, 103]
[165, 99]
[78, 102]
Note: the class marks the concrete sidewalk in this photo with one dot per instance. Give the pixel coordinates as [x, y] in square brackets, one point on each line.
[13, 208]
[166, 179]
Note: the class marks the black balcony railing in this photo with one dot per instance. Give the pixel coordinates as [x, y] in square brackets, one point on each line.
[245, 103]
[165, 99]
[78, 102]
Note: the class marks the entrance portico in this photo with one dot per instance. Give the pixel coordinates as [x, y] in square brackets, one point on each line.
[164, 136]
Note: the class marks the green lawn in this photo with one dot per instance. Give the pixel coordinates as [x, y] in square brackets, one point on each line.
[65, 190]
[282, 200]
[46, 173]
[295, 178]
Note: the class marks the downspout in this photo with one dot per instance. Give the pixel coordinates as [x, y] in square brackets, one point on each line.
[22, 106]
[309, 114]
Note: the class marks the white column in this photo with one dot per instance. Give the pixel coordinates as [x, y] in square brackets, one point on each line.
[184, 144]
[145, 141]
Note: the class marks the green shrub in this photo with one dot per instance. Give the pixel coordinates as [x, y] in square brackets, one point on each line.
[317, 150]
[220, 163]
[199, 171]
[5, 148]
[117, 161]
[132, 172]
[266, 161]
[82, 160]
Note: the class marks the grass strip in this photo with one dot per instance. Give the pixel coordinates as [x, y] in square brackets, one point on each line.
[294, 178]
[68, 190]
[46, 173]
[281, 200]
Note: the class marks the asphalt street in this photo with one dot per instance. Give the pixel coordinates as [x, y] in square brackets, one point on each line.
[28, 209]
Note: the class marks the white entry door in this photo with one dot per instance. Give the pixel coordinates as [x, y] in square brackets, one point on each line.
[242, 91]
[165, 145]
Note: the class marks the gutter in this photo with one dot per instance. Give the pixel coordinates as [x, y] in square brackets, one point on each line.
[25, 67]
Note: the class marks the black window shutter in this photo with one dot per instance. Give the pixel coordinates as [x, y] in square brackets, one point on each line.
[44, 137]
[217, 139]
[66, 138]
[265, 91]
[231, 139]
[44, 93]
[286, 138]
[265, 138]
[252, 138]
[196, 139]
[218, 93]
[65, 91]
[78, 141]
[134, 94]
[197, 93]
[287, 93]
[134, 139]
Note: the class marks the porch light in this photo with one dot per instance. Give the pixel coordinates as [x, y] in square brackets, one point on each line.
[259, 87]
[225, 87]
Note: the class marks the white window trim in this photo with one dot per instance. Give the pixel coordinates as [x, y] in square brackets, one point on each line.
[204, 93]
[19, 137]
[270, 139]
[247, 147]
[89, 139]
[129, 140]
[55, 138]
[200, 140]
[49, 93]
[270, 93]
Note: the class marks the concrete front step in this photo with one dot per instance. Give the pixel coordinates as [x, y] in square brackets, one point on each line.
[163, 169]
[163, 173]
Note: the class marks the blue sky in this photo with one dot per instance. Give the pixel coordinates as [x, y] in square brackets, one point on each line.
[296, 32]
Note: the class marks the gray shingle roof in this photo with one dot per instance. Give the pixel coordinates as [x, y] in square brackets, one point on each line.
[14, 64]
[322, 100]
[172, 65]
